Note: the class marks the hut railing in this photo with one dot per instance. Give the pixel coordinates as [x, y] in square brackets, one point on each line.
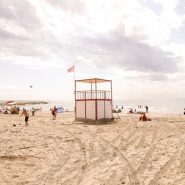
[90, 95]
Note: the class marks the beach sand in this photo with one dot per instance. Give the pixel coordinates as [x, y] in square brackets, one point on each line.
[129, 152]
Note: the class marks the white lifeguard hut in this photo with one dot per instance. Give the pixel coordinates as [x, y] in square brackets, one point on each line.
[91, 103]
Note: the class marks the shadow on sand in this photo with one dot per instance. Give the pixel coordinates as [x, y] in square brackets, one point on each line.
[95, 122]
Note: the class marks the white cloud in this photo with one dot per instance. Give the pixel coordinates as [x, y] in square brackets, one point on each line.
[130, 36]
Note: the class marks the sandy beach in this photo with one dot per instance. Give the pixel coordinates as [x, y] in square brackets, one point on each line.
[62, 152]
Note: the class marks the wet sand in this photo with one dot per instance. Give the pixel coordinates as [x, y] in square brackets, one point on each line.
[62, 152]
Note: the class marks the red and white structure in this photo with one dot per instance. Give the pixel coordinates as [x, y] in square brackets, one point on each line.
[91, 102]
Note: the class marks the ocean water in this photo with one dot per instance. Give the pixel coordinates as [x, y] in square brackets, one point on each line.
[167, 106]
[172, 106]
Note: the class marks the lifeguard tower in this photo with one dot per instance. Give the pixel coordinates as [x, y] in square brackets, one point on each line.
[91, 103]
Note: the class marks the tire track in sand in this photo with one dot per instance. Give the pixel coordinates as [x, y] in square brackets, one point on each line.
[166, 166]
[182, 161]
[90, 166]
[107, 156]
[140, 170]
[181, 169]
[83, 166]
[128, 141]
[162, 170]
[142, 140]
[48, 176]
[131, 172]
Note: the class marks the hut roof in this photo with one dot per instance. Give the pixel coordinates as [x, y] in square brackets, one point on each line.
[93, 80]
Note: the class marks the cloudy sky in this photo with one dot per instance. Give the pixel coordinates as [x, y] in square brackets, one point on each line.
[139, 44]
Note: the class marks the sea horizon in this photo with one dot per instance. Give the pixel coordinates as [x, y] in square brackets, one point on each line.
[171, 106]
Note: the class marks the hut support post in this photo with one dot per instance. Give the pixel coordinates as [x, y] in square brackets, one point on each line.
[96, 106]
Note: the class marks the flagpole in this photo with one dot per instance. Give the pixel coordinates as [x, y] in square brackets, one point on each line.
[72, 69]
[74, 72]
[74, 76]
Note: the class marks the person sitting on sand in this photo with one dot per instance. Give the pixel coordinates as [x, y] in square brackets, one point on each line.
[54, 112]
[26, 115]
[131, 111]
[144, 118]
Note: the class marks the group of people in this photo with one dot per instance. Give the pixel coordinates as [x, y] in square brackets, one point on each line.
[10, 110]
[146, 107]
[143, 116]
[53, 110]
[135, 111]
[25, 112]
[14, 110]
[26, 115]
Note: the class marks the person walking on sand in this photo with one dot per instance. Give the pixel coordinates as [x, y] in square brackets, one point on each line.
[54, 112]
[26, 115]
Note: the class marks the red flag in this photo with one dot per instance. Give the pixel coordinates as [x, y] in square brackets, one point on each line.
[71, 69]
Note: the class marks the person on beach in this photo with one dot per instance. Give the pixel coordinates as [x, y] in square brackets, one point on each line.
[54, 112]
[131, 111]
[33, 111]
[146, 108]
[184, 111]
[26, 115]
[144, 118]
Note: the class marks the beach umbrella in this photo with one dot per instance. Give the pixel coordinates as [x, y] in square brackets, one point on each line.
[10, 103]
